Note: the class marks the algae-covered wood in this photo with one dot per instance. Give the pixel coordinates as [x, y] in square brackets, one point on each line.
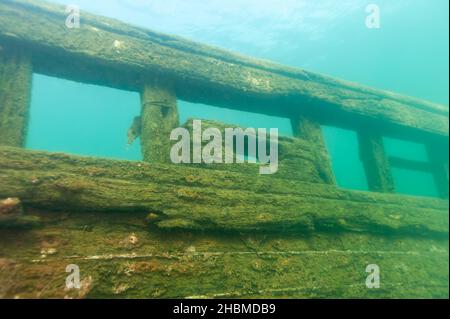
[299, 159]
[126, 56]
[376, 163]
[182, 197]
[15, 90]
[120, 256]
[310, 131]
[159, 116]
[160, 230]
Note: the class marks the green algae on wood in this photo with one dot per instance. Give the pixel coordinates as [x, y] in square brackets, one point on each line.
[199, 73]
[15, 91]
[186, 197]
[298, 158]
[159, 116]
[12, 215]
[438, 156]
[376, 163]
[119, 257]
[311, 131]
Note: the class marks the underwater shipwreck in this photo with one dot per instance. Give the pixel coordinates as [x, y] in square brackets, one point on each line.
[153, 229]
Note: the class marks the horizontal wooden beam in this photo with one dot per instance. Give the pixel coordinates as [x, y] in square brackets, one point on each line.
[299, 159]
[410, 164]
[182, 197]
[119, 257]
[438, 155]
[108, 52]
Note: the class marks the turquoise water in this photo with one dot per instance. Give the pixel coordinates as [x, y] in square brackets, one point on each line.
[343, 150]
[408, 54]
[83, 119]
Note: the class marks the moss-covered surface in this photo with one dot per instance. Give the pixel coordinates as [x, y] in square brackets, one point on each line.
[120, 256]
[184, 197]
[15, 90]
[159, 230]
[438, 155]
[309, 130]
[108, 52]
[299, 159]
[376, 163]
[159, 116]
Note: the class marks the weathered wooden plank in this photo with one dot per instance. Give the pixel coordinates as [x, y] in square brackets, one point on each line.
[438, 157]
[298, 158]
[159, 116]
[191, 198]
[199, 73]
[120, 256]
[311, 131]
[15, 91]
[410, 164]
[376, 163]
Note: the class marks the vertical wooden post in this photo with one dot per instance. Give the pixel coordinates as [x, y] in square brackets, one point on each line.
[376, 164]
[311, 131]
[438, 158]
[15, 91]
[159, 116]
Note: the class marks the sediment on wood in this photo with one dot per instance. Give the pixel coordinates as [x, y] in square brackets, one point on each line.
[205, 74]
[120, 257]
[298, 158]
[159, 116]
[375, 162]
[311, 131]
[438, 159]
[192, 198]
[15, 91]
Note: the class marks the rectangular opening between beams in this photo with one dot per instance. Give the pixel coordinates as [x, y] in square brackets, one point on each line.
[343, 149]
[82, 119]
[411, 167]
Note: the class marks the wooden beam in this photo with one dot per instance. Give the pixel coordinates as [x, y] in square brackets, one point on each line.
[410, 164]
[438, 156]
[15, 91]
[120, 257]
[376, 164]
[159, 116]
[113, 53]
[309, 130]
[182, 197]
[297, 157]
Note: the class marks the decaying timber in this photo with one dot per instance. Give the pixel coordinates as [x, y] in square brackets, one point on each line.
[159, 116]
[153, 229]
[376, 163]
[15, 88]
[310, 131]
[205, 199]
[120, 257]
[298, 158]
[199, 73]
